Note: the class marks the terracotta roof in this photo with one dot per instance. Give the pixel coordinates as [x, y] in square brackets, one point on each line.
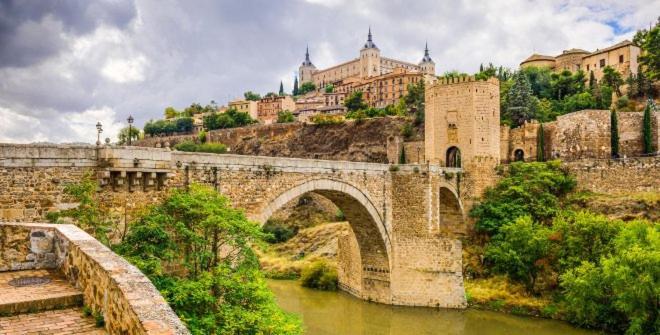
[621, 44]
[574, 51]
[536, 57]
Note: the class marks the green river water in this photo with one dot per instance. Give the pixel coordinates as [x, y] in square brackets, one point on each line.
[339, 313]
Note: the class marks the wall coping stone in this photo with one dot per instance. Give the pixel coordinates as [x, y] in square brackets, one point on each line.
[153, 314]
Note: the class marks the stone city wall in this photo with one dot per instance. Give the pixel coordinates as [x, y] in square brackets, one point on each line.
[129, 302]
[641, 174]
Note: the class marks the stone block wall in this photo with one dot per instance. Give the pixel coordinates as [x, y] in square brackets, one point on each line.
[641, 174]
[129, 302]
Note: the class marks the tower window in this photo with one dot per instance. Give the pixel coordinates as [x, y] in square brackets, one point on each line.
[620, 58]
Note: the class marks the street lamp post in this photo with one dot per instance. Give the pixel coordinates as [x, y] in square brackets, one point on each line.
[99, 130]
[130, 128]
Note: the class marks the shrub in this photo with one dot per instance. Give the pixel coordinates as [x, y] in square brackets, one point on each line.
[190, 146]
[278, 232]
[202, 136]
[407, 130]
[533, 189]
[285, 117]
[323, 120]
[319, 275]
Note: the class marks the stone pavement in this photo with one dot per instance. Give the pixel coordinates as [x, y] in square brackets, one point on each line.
[49, 307]
[63, 321]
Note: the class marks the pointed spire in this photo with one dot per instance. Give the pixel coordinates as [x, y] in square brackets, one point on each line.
[370, 44]
[307, 62]
[427, 56]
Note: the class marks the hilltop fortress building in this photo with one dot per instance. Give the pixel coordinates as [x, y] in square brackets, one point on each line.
[369, 64]
[621, 56]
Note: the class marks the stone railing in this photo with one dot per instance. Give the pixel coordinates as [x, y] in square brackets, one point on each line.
[129, 302]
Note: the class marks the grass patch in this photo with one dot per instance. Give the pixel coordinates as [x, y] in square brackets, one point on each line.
[499, 294]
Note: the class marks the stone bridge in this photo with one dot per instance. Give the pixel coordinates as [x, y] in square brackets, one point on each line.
[403, 247]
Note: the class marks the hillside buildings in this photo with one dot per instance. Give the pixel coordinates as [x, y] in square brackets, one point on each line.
[269, 106]
[621, 56]
[245, 106]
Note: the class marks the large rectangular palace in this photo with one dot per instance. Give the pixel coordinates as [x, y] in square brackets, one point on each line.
[369, 64]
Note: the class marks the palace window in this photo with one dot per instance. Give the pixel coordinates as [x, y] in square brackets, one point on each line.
[620, 58]
[602, 63]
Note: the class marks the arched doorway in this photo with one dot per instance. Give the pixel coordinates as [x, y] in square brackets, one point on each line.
[450, 212]
[519, 155]
[364, 267]
[453, 157]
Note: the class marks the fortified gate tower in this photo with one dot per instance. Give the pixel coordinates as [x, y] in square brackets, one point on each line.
[462, 128]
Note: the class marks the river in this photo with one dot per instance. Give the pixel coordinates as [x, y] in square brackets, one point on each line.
[338, 313]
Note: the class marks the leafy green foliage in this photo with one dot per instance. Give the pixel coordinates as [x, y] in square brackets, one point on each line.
[278, 232]
[190, 146]
[649, 41]
[540, 145]
[532, 189]
[295, 87]
[134, 133]
[647, 133]
[614, 134]
[329, 88]
[230, 119]
[307, 87]
[168, 127]
[619, 291]
[251, 96]
[518, 250]
[521, 104]
[319, 275]
[285, 117]
[89, 215]
[354, 102]
[197, 250]
[327, 119]
[202, 136]
[613, 79]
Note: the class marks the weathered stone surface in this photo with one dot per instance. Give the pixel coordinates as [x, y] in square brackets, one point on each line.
[129, 302]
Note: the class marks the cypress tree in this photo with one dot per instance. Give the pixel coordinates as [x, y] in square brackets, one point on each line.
[281, 88]
[614, 133]
[592, 80]
[646, 129]
[540, 145]
[402, 155]
[295, 86]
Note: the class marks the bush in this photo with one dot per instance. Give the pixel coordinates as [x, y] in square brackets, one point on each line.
[229, 119]
[620, 291]
[278, 232]
[407, 130]
[323, 120]
[319, 275]
[532, 189]
[179, 125]
[202, 136]
[190, 146]
[285, 117]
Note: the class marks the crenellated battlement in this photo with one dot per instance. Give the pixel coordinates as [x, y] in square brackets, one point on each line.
[462, 79]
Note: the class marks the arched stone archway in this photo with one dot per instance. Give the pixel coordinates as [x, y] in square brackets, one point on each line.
[368, 247]
[450, 210]
[519, 155]
[453, 157]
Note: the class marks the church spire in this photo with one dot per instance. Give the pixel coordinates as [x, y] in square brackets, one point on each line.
[307, 62]
[370, 43]
[427, 57]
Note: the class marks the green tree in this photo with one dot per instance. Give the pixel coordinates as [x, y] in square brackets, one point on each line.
[134, 133]
[649, 42]
[540, 145]
[520, 101]
[89, 214]
[249, 95]
[620, 291]
[402, 155]
[171, 113]
[354, 102]
[612, 78]
[647, 133]
[329, 88]
[614, 134]
[518, 249]
[414, 101]
[285, 117]
[281, 92]
[196, 249]
[295, 86]
[526, 189]
[307, 87]
[592, 80]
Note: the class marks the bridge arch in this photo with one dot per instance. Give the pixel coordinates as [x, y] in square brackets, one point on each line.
[371, 262]
[451, 213]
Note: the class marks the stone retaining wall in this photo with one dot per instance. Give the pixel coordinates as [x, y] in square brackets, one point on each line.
[641, 174]
[129, 302]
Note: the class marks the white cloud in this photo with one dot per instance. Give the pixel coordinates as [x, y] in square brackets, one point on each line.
[125, 70]
[83, 125]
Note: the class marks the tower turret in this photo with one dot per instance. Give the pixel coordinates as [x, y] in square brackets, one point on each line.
[369, 58]
[307, 69]
[427, 65]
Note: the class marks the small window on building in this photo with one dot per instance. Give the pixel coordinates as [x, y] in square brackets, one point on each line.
[620, 58]
[587, 67]
[602, 63]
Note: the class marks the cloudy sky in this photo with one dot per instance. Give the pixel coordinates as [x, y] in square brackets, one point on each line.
[65, 65]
